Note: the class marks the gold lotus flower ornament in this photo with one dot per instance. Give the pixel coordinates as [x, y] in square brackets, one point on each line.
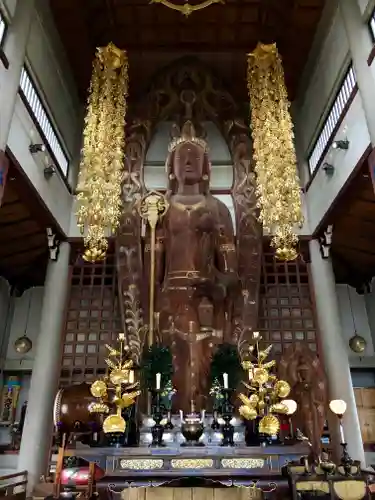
[265, 390]
[114, 423]
[117, 388]
[247, 412]
[282, 389]
[269, 425]
[98, 389]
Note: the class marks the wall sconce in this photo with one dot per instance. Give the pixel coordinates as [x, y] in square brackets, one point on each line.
[49, 171]
[329, 169]
[53, 244]
[344, 144]
[37, 148]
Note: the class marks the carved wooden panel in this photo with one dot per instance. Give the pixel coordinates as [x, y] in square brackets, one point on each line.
[92, 320]
[286, 313]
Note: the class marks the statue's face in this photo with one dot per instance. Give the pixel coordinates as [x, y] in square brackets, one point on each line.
[188, 164]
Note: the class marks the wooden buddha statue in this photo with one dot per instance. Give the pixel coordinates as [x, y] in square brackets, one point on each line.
[196, 269]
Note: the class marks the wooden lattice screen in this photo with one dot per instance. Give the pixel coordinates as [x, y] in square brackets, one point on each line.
[92, 320]
[286, 312]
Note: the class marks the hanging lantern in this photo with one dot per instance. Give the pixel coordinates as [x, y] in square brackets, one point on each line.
[23, 345]
[357, 344]
[278, 188]
[101, 168]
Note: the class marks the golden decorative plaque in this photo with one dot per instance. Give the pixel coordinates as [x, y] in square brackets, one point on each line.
[192, 463]
[242, 463]
[141, 464]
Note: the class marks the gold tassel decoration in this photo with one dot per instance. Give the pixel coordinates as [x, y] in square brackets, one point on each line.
[278, 188]
[101, 168]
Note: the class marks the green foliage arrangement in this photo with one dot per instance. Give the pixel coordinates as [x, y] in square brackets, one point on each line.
[156, 359]
[226, 360]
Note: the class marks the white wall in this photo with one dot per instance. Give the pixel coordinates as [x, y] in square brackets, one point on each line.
[366, 7]
[48, 63]
[8, 7]
[322, 72]
[351, 302]
[53, 191]
[49, 68]
[324, 188]
[25, 322]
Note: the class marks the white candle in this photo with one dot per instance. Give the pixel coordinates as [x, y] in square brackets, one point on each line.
[158, 380]
[342, 437]
[225, 378]
[131, 377]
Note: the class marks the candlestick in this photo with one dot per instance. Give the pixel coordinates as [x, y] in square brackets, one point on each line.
[131, 377]
[225, 378]
[158, 381]
[342, 436]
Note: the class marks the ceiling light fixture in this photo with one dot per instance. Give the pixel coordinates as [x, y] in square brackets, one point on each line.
[187, 8]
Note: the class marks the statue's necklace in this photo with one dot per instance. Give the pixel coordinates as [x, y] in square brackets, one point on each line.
[188, 208]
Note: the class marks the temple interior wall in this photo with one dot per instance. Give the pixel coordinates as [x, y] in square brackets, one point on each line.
[48, 67]
[325, 66]
[9, 6]
[366, 6]
[324, 189]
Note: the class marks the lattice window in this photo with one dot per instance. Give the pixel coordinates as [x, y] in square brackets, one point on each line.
[286, 312]
[371, 25]
[93, 320]
[37, 110]
[338, 109]
[3, 28]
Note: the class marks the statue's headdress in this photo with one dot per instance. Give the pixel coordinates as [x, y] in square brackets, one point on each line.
[186, 135]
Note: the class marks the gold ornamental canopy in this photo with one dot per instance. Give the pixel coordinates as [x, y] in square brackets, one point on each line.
[187, 8]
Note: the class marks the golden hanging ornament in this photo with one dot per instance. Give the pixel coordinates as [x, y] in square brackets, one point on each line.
[278, 188]
[99, 184]
[187, 8]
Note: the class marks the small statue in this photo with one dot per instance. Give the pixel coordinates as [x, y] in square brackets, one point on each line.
[196, 269]
[304, 372]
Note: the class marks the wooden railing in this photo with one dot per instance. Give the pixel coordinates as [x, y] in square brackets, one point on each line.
[13, 486]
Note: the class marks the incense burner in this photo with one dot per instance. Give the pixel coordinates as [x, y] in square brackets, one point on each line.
[192, 427]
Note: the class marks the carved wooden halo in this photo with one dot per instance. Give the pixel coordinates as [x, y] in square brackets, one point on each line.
[187, 8]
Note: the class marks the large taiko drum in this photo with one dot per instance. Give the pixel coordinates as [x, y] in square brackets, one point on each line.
[71, 411]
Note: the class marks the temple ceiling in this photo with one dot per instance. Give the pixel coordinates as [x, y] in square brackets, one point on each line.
[23, 238]
[353, 213]
[155, 36]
